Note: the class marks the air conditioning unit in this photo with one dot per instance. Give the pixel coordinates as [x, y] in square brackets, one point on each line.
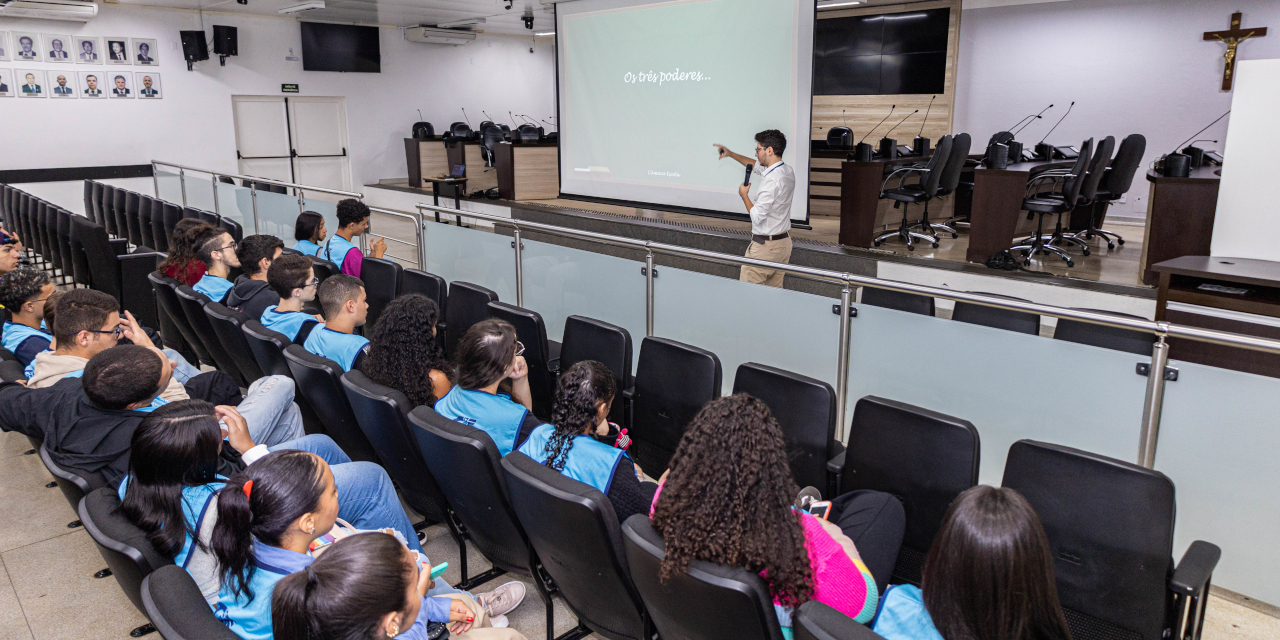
[433, 35]
[70, 10]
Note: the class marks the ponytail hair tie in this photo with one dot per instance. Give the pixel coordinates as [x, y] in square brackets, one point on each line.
[311, 577]
[248, 486]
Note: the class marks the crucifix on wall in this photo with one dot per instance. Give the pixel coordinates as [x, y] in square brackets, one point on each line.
[1232, 38]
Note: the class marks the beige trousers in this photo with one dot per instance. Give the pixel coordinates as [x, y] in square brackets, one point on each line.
[481, 628]
[773, 251]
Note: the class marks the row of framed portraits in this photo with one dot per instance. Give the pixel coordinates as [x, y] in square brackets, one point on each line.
[38, 83]
[25, 46]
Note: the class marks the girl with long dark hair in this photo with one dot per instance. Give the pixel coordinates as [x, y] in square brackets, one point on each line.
[487, 356]
[728, 499]
[183, 263]
[584, 395]
[988, 576]
[309, 232]
[404, 353]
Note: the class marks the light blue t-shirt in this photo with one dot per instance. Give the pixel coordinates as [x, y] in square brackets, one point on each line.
[496, 415]
[335, 249]
[903, 616]
[196, 502]
[306, 247]
[342, 348]
[213, 287]
[285, 322]
[589, 461]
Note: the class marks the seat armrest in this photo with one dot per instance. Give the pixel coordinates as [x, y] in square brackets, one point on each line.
[629, 394]
[119, 245]
[1195, 569]
[836, 464]
[822, 622]
[553, 365]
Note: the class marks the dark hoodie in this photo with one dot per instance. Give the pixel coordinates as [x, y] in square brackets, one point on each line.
[251, 297]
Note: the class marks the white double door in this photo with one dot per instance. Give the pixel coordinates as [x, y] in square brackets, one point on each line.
[300, 140]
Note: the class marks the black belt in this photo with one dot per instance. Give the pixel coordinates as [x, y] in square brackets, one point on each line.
[762, 239]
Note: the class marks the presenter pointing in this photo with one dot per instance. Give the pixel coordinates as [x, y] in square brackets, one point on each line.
[771, 212]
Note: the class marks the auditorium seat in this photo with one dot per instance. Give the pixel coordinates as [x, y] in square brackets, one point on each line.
[468, 304]
[172, 216]
[542, 355]
[66, 259]
[576, 535]
[227, 325]
[145, 205]
[817, 621]
[267, 347]
[705, 602]
[431, 286]
[1110, 526]
[192, 303]
[232, 227]
[80, 271]
[120, 274]
[174, 320]
[381, 280]
[323, 268]
[156, 231]
[133, 223]
[1007, 319]
[901, 301]
[673, 381]
[922, 457]
[125, 547]
[805, 409]
[94, 210]
[178, 610]
[74, 484]
[591, 339]
[109, 210]
[1136, 342]
[319, 381]
[119, 205]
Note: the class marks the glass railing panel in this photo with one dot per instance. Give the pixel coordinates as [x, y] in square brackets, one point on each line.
[1009, 385]
[471, 255]
[1219, 440]
[741, 322]
[199, 191]
[235, 202]
[277, 214]
[325, 204]
[168, 185]
[561, 281]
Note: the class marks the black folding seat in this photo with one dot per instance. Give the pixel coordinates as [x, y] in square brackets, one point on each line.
[923, 458]
[319, 381]
[740, 600]
[577, 537]
[75, 484]
[80, 271]
[66, 260]
[129, 554]
[120, 199]
[232, 227]
[178, 610]
[89, 200]
[174, 327]
[901, 301]
[323, 268]
[116, 272]
[157, 233]
[381, 280]
[468, 304]
[192, 303]
[673, 381]
[172, 215]
[267, 347]
[1007, 319]
[194, 213]
[96, 213]
[805, 408]
[591, 339]
[209, 217]
[817, 621]
[1136, 342]
[52, 250]
[30, 238]
[431, 286]
[108, 210]
[145, 207]
[227, 327]
[1110, 526]
[132, 220]
[542, 355]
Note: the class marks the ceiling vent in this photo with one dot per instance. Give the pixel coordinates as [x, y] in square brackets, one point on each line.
[70, 10]
[433, 35]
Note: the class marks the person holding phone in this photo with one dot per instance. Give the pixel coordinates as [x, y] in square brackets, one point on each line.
[771, 212]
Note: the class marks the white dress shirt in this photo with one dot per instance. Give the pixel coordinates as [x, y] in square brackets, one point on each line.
[771, 214]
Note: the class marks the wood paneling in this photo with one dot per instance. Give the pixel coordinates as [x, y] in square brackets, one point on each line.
[1180, 213]
[528, 172]
[479, 177]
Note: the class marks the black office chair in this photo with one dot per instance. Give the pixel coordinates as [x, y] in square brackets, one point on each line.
[1054, 203]
[75, 484]
[705, 602]
[890, 299]
[319, 381]
[673, 381]
[468, 304]
[948, 184]
[591, 339]
[381, 280]
[227, 327]
[923, 458]
[542, 355]
[173, 320]
[178, 610]
[192, 303]
[577, 536]
[423, 131]
[1115, 183]
[461, 130]
[129, 554]
[1007, 319]
[817, 621]
[925, 190]
[267, 348]
[116, 272]
[805, 409]
[490, 137]
[528, 132]
[1136, 342]
[1088, 190]
[840, 138]
[1110, 528]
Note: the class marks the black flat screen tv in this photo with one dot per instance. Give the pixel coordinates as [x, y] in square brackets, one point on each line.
[340, 47]
[881, 54]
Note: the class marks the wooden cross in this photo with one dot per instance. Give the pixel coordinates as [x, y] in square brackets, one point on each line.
[1232, 38]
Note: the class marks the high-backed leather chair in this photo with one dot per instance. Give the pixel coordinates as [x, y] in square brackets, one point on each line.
[178, 610]
[673, 381]
[805, 409]
[542, 355]
[192, 303]
[591, 339]
[576, 534]
[1007, 319]
[227, 328]
[947, 184]
[890, 299]
[468, 304]
[319, 380]
[381, 280]
[1115, 183]
[129, 554]
[922, 192]
[1054, 203]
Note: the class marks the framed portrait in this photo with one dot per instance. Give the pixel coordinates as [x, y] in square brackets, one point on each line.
[62, 84]
[4, 45]
[57, 48]
[144, 51]
[6, 83]
[26, 47]
[30, 83]
[91, 85]
[121, 85]
[88, 50]
[147, 85]
[117, 51]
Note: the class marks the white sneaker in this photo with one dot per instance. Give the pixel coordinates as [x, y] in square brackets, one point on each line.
[498, 602]
[499, 622]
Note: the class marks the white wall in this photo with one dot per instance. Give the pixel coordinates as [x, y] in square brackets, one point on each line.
[1132, 66]
[193, 123]
[1246, 223]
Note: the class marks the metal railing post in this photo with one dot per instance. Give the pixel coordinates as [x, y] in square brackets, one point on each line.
[182, 181]
[842, 360]
[253, 195]
[518, 246]
[648, 292]
[216, 208]
[421, 237]
[302, 201]
[1154, 404]
[155, 178]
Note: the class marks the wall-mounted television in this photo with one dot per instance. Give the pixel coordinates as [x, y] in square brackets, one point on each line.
[340, 47]
[881, 54]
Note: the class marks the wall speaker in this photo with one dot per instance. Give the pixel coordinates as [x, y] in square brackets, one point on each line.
[194, 48]
[224, 41]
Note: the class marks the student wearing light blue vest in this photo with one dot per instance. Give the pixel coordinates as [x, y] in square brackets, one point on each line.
[294, 279]
[353, 220]
[345, 307]
[218, 252]
[488, 356]
[309, 232]
[988, 576]
[584, 396]
[23, 293]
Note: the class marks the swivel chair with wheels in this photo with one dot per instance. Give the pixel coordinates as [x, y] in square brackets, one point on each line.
[923, 192]
[1115, 183]
[1088, 191]
[1054, 203]
[950, 181]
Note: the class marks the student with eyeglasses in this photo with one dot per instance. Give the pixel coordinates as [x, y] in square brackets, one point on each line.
[22, 294]
[218, 252]
[294, 279]
[489, 358]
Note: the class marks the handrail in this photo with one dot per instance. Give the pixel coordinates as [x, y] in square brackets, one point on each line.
[278, 183]
[417, 231]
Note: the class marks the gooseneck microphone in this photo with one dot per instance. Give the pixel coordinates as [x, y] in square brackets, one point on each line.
[864, 138]
[464, 116]
[1178, 165]
[920, 146]
[1031, 118]
[420, 115]
[926, 116]
[889, 146]
[1064, 117]
[1175, 149]
[1045, 151]
[886, 134]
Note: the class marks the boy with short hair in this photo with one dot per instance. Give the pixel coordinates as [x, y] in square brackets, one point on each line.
[10, 254]
[353, 220]
[345, 307]
[252, 293]
[218, 252]
[23, 293]
[293, 279]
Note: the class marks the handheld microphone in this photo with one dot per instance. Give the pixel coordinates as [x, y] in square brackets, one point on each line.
[1202, 130]
[878, 124]
[747, 182]
[1064, 117]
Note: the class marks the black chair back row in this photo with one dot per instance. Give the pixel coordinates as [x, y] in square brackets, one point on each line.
[381, 280]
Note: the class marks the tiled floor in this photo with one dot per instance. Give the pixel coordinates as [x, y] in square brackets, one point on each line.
[48, 592]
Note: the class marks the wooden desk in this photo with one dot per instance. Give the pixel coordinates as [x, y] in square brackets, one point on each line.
[996, 215]
[528, 170]
[1180, 214]
[479, 176]
[1180, 279]
[425, 159]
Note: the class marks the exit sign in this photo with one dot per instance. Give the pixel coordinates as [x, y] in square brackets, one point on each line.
[288, 88]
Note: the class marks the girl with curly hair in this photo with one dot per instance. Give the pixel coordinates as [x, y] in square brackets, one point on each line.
[404, 354]
[487, 357]
[584, 396]
[733, 456]
[184, 263]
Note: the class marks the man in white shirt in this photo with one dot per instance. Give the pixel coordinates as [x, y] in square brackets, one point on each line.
[771, 212]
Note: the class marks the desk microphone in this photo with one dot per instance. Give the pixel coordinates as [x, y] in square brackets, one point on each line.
[1196, 153]
[878, 124]
[747, 182]
[1175, 149]
[889, 146]
[464, 117]
[862, 152]
[1045, 151]
[1031, 118]
[487, 116]
[921, 144]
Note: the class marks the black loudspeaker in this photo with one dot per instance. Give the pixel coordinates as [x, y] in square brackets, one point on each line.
[194, 48]
[1177, 165]
[1197, 156]
[997, 156]
[224, 40]
[888, 148]
[920, 146]
[1015, 151]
